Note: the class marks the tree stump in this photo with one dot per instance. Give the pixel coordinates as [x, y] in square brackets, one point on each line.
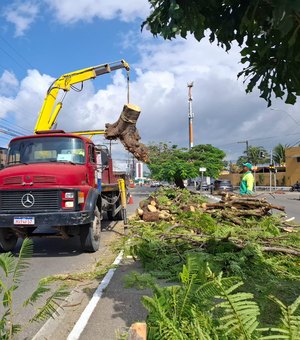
[125, 130]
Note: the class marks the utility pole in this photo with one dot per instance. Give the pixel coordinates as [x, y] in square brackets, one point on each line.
[271, 164]
[190, 114]
[247, 148]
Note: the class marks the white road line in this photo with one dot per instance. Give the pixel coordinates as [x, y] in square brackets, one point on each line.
[84, 318]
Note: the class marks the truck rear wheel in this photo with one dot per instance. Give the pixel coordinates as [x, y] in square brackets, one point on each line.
[8, 239]
[90, 233]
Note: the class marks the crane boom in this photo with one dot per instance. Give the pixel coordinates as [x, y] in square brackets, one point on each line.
[50, 109]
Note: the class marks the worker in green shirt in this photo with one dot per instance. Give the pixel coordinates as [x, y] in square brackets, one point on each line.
[247, 183]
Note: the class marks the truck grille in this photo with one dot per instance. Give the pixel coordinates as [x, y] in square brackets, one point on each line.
[30, 200]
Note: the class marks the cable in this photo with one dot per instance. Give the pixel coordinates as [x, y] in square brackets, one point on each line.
[13, 124]
[22, 67]
[19, 54]
[260, 138]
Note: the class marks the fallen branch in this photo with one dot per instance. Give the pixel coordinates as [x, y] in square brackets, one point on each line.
[290, 251]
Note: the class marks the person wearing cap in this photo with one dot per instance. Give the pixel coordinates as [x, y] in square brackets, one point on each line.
[247, 183]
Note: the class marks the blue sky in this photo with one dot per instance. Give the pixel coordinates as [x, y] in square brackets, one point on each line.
[40, 40]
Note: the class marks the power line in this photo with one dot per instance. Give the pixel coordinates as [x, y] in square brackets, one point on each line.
[18, 53]
[260, 138]
[17, 63]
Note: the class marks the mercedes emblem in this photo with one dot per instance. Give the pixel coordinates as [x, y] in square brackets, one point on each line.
[27, 200]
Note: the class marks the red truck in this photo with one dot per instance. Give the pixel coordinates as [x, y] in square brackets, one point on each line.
[56, 183]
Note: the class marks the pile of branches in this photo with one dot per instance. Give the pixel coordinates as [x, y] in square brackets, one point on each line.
[233, 209]
[233, 206]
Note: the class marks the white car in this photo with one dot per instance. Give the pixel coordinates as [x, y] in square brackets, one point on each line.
[155, 184]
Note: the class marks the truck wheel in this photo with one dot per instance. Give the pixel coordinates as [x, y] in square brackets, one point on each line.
[118, 216]
[90, 233]
[8, 239]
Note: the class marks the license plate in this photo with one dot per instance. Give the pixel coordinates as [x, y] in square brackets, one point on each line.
[24, 220]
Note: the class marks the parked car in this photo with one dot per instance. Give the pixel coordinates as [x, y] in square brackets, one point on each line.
[295, 187]
[224, 185]
[155, 184]
[205, 186]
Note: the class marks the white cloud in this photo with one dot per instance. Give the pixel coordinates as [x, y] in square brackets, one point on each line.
[22, 15]
[8, 83]
[224, 113]
[68, 11]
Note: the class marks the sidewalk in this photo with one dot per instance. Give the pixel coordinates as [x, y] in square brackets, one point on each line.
[118, 307]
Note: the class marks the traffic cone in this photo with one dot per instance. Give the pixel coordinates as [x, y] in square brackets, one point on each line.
[130, 201]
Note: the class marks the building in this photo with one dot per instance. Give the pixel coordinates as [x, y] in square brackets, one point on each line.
[3, 156]
[286, 175]
[292, 160]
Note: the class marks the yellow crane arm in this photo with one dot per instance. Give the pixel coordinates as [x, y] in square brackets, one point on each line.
[49, 112]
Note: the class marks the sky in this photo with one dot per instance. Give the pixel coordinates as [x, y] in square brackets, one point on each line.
[41, 40]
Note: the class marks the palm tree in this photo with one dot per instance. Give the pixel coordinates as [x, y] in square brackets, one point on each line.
[279, 154]
[255, 155]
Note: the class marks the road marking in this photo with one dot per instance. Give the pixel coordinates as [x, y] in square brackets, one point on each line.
[86, 314]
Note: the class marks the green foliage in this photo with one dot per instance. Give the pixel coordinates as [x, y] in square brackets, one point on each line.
[174, 165]
[266, 30]
[254, 156]
[208, 306]
[139, 281]
[290, 321]
[13, 269]
[195, 238]
[279, 154]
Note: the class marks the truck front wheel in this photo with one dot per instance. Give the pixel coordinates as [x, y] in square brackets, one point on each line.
[8, 239]
[90, 233]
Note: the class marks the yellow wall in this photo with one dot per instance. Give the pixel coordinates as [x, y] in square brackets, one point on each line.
[292, 173]
[292, 165]
[236, 179]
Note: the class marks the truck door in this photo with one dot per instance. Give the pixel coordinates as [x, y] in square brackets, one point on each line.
[92, 166]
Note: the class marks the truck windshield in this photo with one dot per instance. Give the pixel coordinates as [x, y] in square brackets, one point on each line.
[46, 149]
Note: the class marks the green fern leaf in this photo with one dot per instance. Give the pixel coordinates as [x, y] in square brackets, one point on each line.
[7, 263]
[290, 322]
[22, 264]
[50, 309]
[38, 293]
[239, 312]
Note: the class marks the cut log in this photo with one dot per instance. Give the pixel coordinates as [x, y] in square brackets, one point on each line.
[152, 202]
[151, 208]
[151, 216]
[140, 211]
[229, 216]
[138, 331]
[143, 204]
[164, 216]
[125, 130]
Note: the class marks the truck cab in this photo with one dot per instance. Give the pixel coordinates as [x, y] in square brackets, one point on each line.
[52, 185]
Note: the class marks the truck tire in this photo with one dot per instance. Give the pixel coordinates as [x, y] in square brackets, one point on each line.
[90, 234]
[118, 216]
[8, 239]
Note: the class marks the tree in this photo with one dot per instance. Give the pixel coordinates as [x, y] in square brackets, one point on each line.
[268, 32]
[256, 155]
[175, 164]
[279, 154]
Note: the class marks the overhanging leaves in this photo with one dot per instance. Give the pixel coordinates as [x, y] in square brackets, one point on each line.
[268, 30]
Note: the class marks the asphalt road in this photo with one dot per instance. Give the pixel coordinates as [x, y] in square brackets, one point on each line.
[290, 200]
[57, 256]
